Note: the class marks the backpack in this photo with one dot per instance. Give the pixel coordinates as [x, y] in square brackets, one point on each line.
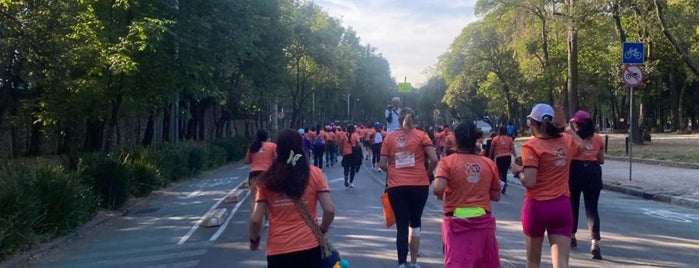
[318, 142]
[511, 130]
[307, 143]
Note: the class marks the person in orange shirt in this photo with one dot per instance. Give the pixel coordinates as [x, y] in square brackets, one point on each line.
[502, 149]
[586, 179]
[259, 156]
[351, 155]
[441, 137]
[369, 133]
[290, 241]
[544, 173]
[402, 157]
[467, 182]
[330, 146]
[450, 143]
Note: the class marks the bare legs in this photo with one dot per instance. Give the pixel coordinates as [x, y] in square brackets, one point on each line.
[560, 251]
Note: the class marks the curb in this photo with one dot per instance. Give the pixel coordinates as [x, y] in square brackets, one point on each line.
[655, 162]
[675, 200]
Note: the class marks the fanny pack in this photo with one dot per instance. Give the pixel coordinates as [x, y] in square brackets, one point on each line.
[465, 213]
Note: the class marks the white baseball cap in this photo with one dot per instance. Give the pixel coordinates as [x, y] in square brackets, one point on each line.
[540, 111]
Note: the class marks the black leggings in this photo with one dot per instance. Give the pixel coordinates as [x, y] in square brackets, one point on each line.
[376, 153]
[503, 163]
[408, 202]
[349, 163]
[318, 155]
[586, 179]
[306, 258]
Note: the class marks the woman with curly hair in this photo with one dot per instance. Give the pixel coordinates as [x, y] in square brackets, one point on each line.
[586, 179]
[288, 181]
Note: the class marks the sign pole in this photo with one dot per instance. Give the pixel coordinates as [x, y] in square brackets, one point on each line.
[630, 130]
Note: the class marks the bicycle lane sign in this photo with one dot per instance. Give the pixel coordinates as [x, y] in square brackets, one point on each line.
[633, 53]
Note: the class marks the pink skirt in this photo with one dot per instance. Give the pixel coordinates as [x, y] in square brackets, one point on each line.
[470, 242]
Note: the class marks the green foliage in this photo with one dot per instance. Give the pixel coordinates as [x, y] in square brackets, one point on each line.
[66, 202]
[19, 213]
[109, 176]
[146, 177]
[40, 200]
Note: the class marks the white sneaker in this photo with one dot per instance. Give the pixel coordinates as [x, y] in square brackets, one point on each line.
[414, 265]
[403, 266]
[351, 185]
[266, 224]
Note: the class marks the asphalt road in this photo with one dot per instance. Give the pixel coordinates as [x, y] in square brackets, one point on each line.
[162, 231]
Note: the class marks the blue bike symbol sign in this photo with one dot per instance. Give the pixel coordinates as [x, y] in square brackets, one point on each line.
[633, 53]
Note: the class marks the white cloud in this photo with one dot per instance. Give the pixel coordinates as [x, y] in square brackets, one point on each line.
[409, 34]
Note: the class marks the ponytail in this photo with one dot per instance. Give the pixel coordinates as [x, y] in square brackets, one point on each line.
[407, 118]
[260, 137]
[550, 128]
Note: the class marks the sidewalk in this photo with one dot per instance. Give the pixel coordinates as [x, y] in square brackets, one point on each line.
[675, 183]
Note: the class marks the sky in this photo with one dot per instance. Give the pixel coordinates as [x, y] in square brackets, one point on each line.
[410, 34]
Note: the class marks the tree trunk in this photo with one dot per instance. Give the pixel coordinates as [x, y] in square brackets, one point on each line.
[148, 135]
[167, 123]
[572, 44]
[113, 121]
[680, 50]
[572, 69]
[680, 109]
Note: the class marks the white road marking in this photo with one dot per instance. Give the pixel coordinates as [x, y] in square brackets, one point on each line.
[230, 216]
[196, 225]
[190, 195]
[336, 180]
[244, 167]
[669, 215]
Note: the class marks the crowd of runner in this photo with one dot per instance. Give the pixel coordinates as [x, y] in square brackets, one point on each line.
[466, 169]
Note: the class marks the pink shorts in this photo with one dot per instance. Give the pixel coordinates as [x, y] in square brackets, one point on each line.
[554, 217]
[470, 242]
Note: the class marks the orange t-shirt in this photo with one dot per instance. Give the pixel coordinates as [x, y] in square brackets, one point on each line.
[470, 178]
[262, 159]
[502, 145]
[360, 132]
[288, 232]
[593, 146]
[348, 143]
[406, 152]
[368, 133]
[450, 142]
[330, 136]
[551, 157]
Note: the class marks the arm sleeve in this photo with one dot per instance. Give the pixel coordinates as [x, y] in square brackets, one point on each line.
[425, 140]
[386, 146]
[529, 156]
[442, 170]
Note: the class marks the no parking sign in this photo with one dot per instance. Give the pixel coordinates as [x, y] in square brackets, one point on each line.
[632, 75]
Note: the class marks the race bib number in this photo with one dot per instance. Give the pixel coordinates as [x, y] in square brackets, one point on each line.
[405, 160]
